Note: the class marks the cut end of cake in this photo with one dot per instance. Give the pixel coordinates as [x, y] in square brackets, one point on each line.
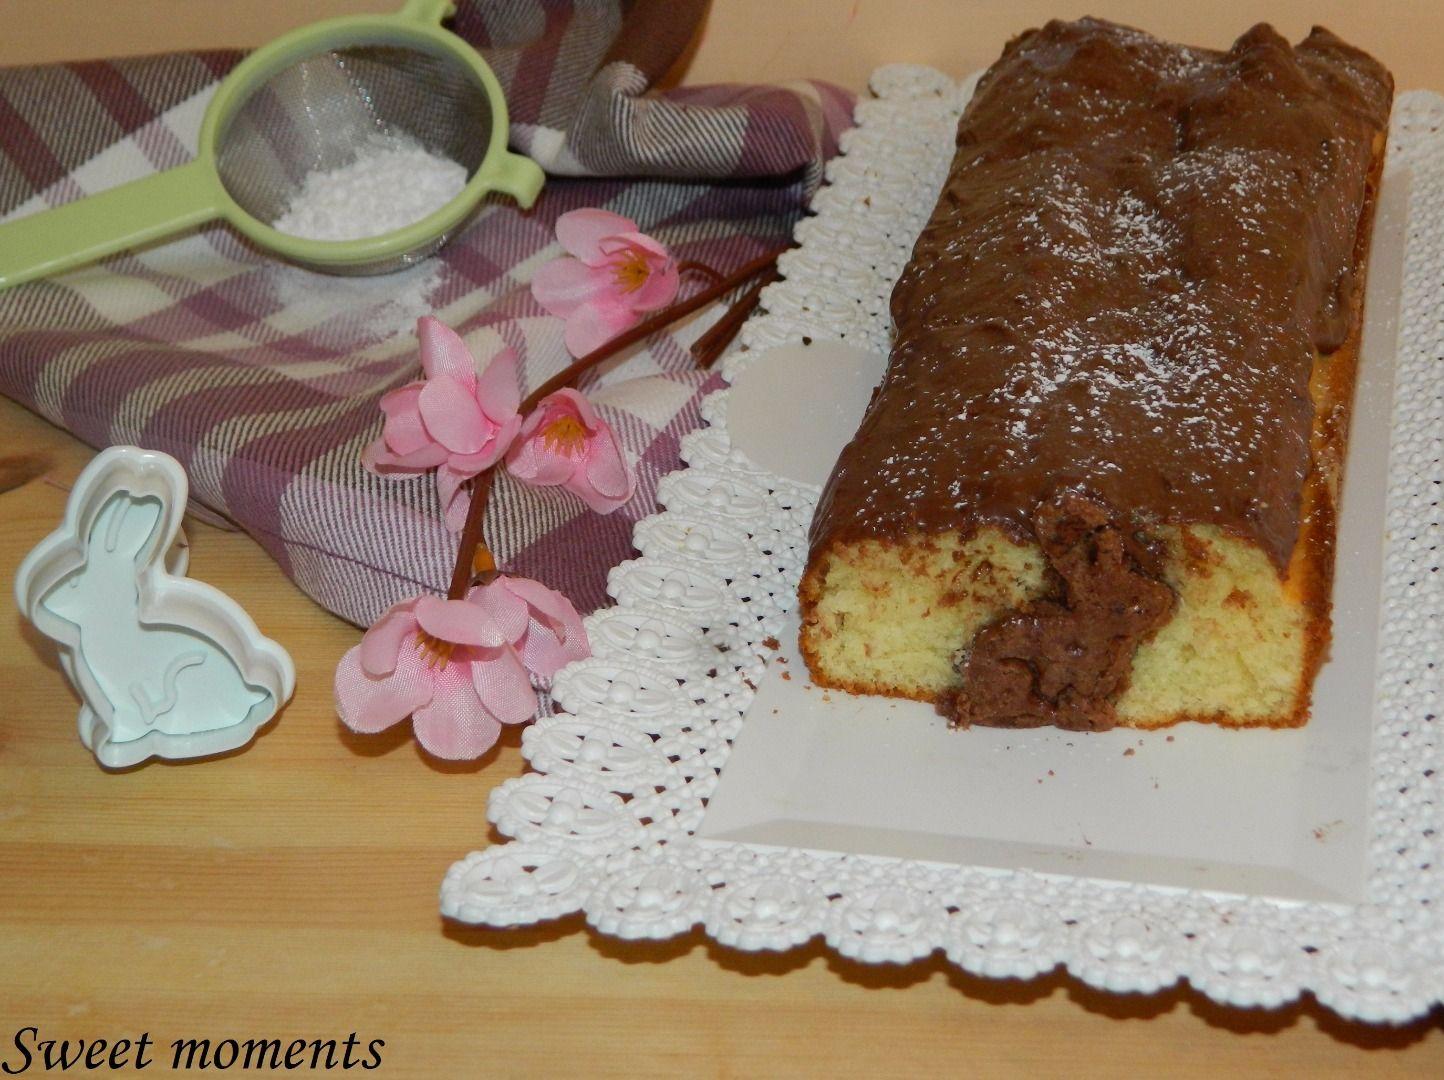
[1090, 628]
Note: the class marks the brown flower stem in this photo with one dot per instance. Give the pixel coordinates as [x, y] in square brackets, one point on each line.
[712, 344]
[645, 329]
[462, 574]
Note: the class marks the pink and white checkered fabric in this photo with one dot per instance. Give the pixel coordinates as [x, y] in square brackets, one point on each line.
[263, 379]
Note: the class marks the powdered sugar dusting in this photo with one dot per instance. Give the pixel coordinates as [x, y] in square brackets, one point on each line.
[1138, 253]
[363, 310]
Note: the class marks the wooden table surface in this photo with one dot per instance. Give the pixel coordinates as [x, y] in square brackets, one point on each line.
[289, 890]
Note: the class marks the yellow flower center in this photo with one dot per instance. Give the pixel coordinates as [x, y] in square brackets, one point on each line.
[482, 562]
[436, 651]
[564, 435]
[630, 272]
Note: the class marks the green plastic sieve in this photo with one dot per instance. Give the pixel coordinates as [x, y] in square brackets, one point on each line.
[305, 102]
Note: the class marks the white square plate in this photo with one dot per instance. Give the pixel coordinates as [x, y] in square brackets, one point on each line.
[1263, 865]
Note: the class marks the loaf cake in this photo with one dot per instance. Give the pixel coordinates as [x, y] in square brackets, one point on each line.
[1097, 484]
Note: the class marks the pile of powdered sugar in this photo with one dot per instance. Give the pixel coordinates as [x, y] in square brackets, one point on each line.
[393, 182]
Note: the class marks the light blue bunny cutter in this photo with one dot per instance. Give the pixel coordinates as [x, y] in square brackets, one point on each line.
[165, 666]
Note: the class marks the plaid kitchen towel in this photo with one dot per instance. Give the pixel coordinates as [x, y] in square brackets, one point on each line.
[263, 378]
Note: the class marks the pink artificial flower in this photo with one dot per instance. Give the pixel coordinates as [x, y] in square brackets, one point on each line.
[539, 623]
[615, 274]
[564, 442]
[453, 421]
[459, 668]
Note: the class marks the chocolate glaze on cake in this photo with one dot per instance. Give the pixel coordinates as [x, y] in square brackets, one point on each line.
[1110, 323]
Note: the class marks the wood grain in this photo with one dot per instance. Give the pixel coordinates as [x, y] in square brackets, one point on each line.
[289, 889]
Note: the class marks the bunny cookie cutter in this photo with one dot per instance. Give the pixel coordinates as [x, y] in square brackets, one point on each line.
[165, 666]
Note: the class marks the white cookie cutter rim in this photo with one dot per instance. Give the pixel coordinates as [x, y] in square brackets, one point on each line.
[166, 596]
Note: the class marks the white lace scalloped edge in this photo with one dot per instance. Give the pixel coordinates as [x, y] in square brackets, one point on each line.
[605, 823]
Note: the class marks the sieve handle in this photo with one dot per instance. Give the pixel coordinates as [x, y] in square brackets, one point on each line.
[514, 175]
[427, 11]
[80, 232]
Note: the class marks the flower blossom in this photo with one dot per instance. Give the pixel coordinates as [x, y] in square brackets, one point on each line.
[612, 276]
[563, 442]
[453, 420]
[459, 668]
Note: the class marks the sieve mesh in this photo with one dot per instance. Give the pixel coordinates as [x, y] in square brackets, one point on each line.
[318, 112]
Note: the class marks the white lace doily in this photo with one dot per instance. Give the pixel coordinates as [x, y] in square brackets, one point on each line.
[604, 825]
